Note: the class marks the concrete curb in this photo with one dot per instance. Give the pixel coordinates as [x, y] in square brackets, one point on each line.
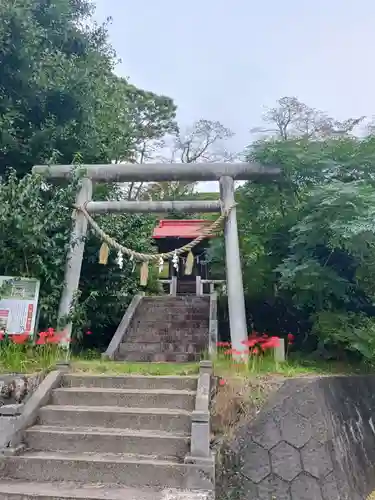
[12, 433]
[213, 326]
[200, 428]
[117, 338]
[11, 410]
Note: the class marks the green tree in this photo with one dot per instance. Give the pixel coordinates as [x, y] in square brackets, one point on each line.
[58, 93]
[35, 227]
[307, 240]
[52, 67]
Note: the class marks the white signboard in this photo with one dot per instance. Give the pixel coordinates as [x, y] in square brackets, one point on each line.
[18, 304]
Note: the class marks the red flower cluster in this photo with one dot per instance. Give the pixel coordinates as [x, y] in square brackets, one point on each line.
[50, 336]
[256, 344]
[18, 338]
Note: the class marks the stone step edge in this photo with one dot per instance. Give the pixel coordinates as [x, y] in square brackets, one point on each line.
[109, 390]
[70, 491]
[131, 469]
[106, 431]
[130, 377]
[94, 457]
[120, 409]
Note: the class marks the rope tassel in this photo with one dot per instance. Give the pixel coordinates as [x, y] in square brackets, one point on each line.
[103, 254]
[144, 274]
[189, 264]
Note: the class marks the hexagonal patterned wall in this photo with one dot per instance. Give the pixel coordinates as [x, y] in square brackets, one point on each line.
[313, 440]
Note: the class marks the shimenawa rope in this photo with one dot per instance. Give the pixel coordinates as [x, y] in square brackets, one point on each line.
[145, 257]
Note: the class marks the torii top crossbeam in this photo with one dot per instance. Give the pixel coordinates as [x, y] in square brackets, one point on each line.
[153, 172]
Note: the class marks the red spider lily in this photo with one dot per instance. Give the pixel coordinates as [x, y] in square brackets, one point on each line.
[252, 341]
[290, 338]
[42, 338]
[47, 340]
[50, 337]
[223, 344]
[55, 339]
[2, 335]
[271, 343]
[236, 352]
[255, 344]
[88, 332]
[222, 382]
[20, 338]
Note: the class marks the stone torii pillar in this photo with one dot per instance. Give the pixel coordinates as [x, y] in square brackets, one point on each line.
[74, 257]
[236, 299]
[225, 173]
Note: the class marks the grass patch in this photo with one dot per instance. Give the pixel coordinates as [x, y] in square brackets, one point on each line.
[293, 367]
[240, 399]
[27, 358]
[16, 358]
[123, 368]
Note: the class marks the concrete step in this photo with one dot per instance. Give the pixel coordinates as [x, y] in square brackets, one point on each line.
[129, 470]
[182, 342]
[161, 357]
[131, 345]
[20, 490]
[131, 382]
[161, 332]
[181, 304]
[163, 299]
[17, 490]
[103, 440]
[172, 319]
[155, 419]
[152, 398]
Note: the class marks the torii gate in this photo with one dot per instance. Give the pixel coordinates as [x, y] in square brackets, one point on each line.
[225, 173]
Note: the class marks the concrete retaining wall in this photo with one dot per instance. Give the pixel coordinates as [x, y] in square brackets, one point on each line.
[313, 440]
[16, 389]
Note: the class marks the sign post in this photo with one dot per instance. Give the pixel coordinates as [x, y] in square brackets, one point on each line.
[18, 304]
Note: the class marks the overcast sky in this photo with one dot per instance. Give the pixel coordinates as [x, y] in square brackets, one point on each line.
[227, 59]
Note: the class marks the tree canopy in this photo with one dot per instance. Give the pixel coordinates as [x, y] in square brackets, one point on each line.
[308, 241]
[59, 95]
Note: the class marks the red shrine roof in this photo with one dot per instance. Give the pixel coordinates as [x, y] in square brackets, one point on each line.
[173, 228]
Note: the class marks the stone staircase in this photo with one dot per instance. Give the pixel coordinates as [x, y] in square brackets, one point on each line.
[174, 329]
[110, 437]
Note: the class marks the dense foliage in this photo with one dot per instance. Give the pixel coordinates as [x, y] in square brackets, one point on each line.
[35, 225]
[60, 101]
[58, 94]
[308, 241]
